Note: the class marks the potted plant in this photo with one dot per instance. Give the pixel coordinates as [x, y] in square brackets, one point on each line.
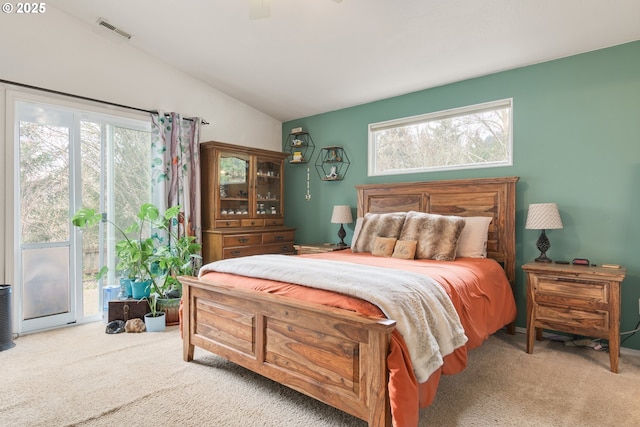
[179, 256]
[155, 320]
[152, 263]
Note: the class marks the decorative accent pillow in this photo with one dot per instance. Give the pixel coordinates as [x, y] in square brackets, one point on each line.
[378, 225]
[437, 235]
[405, 249]
[383, 246]
[473, 238]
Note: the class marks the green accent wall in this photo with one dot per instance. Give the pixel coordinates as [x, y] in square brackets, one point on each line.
[576, 142]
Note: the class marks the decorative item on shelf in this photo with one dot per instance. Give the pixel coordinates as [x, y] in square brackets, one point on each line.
[297, 130]
[297, 157]
[341, 215]
[333, 174]
[543, 216]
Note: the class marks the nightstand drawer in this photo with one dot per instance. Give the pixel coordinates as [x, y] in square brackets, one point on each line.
[567, 291]
[555, 317]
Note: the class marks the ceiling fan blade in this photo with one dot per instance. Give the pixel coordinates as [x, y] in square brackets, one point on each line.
[260, 9]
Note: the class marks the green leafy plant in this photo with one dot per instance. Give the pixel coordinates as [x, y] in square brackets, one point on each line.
[133, 251]
[150, 258]
[178, 257]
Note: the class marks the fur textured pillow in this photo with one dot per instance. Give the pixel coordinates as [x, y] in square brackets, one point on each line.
[383, 246]
[378, 225]
[437, 235]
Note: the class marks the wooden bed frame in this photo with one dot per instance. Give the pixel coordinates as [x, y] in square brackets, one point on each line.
[336, 356]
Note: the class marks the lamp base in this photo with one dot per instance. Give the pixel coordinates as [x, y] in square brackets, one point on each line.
[543, 246]
[543, 258]
[342, 234]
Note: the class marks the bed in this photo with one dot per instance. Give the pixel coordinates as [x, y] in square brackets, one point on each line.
[352, 357]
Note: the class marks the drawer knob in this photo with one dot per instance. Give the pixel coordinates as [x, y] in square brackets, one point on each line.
[243, 240]
[279, 238]
[235, 253]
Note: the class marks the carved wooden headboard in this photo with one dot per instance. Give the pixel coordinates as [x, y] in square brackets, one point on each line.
[495, 197]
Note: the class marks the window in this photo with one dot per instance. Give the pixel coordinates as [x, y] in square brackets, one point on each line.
[476, 136]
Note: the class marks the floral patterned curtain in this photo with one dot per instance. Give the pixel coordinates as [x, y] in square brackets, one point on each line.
[175, 169]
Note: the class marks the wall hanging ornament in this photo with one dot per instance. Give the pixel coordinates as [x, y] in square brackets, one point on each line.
[308, 195]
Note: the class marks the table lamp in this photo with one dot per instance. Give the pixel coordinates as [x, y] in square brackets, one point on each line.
[341, 215]
[543, 216]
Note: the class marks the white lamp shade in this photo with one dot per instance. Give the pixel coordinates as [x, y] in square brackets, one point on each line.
[341, 215]
[543, 216]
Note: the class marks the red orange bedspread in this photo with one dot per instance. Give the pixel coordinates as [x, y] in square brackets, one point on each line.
[477, 287]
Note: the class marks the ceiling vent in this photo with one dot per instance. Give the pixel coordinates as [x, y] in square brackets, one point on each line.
[112, 30]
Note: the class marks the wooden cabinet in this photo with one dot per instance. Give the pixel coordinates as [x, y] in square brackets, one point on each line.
[242, 202]
[574, 299]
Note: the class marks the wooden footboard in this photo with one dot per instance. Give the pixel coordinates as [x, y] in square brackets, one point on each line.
[336, 356]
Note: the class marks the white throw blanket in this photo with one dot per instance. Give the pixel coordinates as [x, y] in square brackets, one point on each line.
[424, 313]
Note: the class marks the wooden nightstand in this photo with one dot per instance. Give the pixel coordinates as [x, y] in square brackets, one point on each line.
[574, 299]
[318, 249]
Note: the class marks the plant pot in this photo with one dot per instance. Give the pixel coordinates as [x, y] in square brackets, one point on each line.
[171, 307]
[140, 289]
[125, 284]
[155, 324]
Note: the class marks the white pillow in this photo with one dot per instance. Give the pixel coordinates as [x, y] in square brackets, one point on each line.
[473, 239]
[356, 230]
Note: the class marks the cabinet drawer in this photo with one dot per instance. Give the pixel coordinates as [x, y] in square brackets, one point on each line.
[241, 240]
[253, 222]
[242, 251]
[555, 317]
[273, 221]
[278, 248]
[227, 223]
[278, 237]
[274, 248]
[566, 291]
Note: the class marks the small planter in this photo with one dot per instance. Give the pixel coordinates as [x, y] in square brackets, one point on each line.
[171, 307]
[155, 324]
[140, 289]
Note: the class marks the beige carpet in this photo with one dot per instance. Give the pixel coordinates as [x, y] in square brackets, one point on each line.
[81, 376]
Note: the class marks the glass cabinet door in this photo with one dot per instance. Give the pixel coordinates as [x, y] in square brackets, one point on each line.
[268, 188]
[234, 185]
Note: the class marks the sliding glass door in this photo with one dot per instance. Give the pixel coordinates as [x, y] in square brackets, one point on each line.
[66, 159]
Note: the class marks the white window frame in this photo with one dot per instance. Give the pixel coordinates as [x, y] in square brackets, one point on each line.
[435, 116]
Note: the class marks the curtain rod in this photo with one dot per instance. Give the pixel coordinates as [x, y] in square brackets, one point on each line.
[204, 122]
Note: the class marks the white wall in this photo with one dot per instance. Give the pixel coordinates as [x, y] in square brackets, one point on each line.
[59, 52]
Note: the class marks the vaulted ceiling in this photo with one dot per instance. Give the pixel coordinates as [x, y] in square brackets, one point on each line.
[312, 56]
